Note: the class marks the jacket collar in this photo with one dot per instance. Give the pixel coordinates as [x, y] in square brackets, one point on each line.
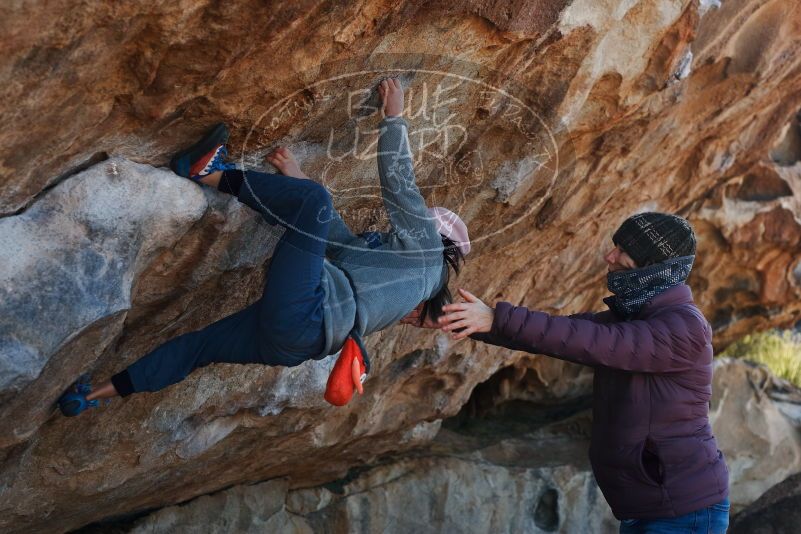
[674, 296]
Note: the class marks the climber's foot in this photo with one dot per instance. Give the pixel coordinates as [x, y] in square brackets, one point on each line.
[212, 179]
[211, 166]
[187, 162]
[105, 390]
[284, 160]
[74, 400]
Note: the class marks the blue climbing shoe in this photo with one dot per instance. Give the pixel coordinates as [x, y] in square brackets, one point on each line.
[74, 400]
[211, 162]
[185, 161]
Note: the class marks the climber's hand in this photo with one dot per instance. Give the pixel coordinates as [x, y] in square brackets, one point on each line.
[392, 96]
[413, 318]
[469, 316]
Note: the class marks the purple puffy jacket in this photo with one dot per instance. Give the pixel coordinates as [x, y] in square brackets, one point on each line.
[652, 451]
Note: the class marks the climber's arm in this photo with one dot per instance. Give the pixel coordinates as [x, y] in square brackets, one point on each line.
[405, 205]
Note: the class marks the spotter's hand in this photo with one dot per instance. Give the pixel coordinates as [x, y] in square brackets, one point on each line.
[469, 316]
[392, 97]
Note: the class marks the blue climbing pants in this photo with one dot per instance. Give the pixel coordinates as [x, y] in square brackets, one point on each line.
[285, 326]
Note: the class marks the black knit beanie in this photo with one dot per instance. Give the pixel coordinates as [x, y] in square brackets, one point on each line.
[654, 237]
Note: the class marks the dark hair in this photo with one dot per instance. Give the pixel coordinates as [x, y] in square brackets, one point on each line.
[453, 257]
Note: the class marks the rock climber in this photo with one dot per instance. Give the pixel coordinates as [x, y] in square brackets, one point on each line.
[326, 288]
[652, 450]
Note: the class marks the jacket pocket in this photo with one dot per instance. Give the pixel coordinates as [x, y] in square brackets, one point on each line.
[647, 477]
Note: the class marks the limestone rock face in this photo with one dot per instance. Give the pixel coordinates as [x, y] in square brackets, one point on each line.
[513, 466]
[544, 123]
[442, 495]
[84, 246]
[776, 512]
[505, 474]
[755, 420]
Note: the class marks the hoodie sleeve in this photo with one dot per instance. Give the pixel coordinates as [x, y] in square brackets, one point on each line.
[663, 344]
[340, 237]
[402, 199]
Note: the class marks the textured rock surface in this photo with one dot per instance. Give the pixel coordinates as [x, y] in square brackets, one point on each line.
[776, 512]
[755, 419]
[84, 246]
[651, 106]
[439, 495]
[506, 468]
[504, 474]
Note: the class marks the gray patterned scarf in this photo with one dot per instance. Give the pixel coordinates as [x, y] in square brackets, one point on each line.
[632, 288]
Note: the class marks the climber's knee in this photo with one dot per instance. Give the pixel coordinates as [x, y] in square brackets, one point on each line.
[317, 202]
[291, 346]
[318, 195]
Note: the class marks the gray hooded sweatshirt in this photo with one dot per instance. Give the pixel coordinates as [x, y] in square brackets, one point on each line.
[370, 286]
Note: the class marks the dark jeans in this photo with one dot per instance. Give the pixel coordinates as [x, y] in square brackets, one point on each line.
[712, 520]
[285, 326]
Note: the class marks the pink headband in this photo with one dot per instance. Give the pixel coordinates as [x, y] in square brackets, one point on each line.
[451, 226]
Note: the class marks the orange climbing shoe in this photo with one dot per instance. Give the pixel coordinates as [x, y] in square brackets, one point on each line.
[205, 149]
[347, 375]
